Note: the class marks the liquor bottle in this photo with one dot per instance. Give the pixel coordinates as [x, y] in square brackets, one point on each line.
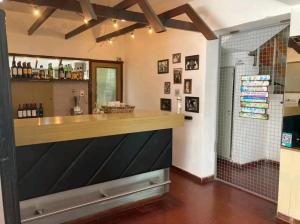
[20, 112]
[28, 110]
[25, 73]
[41, 72]
[24, 111]
[34, 111]
[50, 71]
[61, 72]
[14, 69]
[29, 70]
[41, 111]
[20, 70]
[69, 72]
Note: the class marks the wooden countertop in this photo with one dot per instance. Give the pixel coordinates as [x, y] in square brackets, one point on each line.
[55, 129]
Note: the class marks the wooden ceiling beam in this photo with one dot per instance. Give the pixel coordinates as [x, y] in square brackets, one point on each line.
[100, 10]
[122, 5]
[151, 16]
[199, 23]
[294, 44]
[44, 16]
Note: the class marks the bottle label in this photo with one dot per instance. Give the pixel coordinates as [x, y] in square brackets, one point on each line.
[33, 113]
[14, 71]
[20, 71]
[28, 113]
[20, 114]
[24, 112]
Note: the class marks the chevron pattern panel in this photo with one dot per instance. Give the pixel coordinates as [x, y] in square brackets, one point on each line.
[56, 167]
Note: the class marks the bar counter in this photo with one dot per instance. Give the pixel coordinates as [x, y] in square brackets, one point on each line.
[54, 129]
[69, 167]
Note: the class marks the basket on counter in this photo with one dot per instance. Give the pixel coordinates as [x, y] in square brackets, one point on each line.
[121, 109]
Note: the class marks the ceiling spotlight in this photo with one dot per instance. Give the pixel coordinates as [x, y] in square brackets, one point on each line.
[36, 11]
[115, 23]
[85, 21]
[123, 20]
[132, 35]
[150, 31]
[110, 41]
[1, 1]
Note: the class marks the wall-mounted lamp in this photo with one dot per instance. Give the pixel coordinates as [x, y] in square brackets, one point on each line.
[115, 23]
[36, 11]
[132, 35]
[88, 11]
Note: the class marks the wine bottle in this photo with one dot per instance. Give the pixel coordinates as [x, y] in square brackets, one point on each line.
[42, 72]
[20, 112]
[24, 111]
[41, 111]
[61, 72]
[24, 71]
[28, 110]
[14, 69]
[20, 70]
[33, 111]
[50, 71]
[29, 70]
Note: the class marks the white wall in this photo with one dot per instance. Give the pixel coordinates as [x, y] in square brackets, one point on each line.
[194, 143]
[295, 21]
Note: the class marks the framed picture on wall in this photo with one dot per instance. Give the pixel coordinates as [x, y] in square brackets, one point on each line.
[176, 58]
[167, 87]
[192, 62]
[163, 66]
[187, 88]
[177, 73]
[177, 92]
[165, 104]
[192, 104]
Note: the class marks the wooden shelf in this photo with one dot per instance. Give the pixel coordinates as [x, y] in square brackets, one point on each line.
[48, 80]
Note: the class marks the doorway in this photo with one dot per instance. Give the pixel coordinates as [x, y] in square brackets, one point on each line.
[106, 83]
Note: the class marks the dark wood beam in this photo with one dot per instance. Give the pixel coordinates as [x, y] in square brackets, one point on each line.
[294, 44]
[100, 10]
[151, 16]
[120, 32]
[45, 15]
[122, 5]
[172, 23]
[199, 23]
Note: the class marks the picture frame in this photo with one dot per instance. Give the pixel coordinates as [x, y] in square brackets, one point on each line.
[192, 62]
[165, 104]
[177, 75]
[177, 92]
[163, 66]
[192, 104]
[167, 88]
[187, 87]
[176, 58]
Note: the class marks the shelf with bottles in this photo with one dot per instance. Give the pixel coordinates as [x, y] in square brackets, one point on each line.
[47, 69]
[30, 110]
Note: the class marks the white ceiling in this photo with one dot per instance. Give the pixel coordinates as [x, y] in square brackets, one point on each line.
[290, 2]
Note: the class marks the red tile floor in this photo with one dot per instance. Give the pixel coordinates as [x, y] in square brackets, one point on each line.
[191, 203]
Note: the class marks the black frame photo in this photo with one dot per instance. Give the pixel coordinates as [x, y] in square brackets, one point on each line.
[192, 104]
[167, 88]
[165, 104]
[163, 66]
[192, 63]
[176, 58]
[187, 86]
[177, 75]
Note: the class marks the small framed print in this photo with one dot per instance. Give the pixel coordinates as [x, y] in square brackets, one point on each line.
[176, 58]
[192, 62]
[177, 72]
[177, 92]
[163, 66]
[187, 88]
[192, 104]
[166, 104]
[167, 88]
